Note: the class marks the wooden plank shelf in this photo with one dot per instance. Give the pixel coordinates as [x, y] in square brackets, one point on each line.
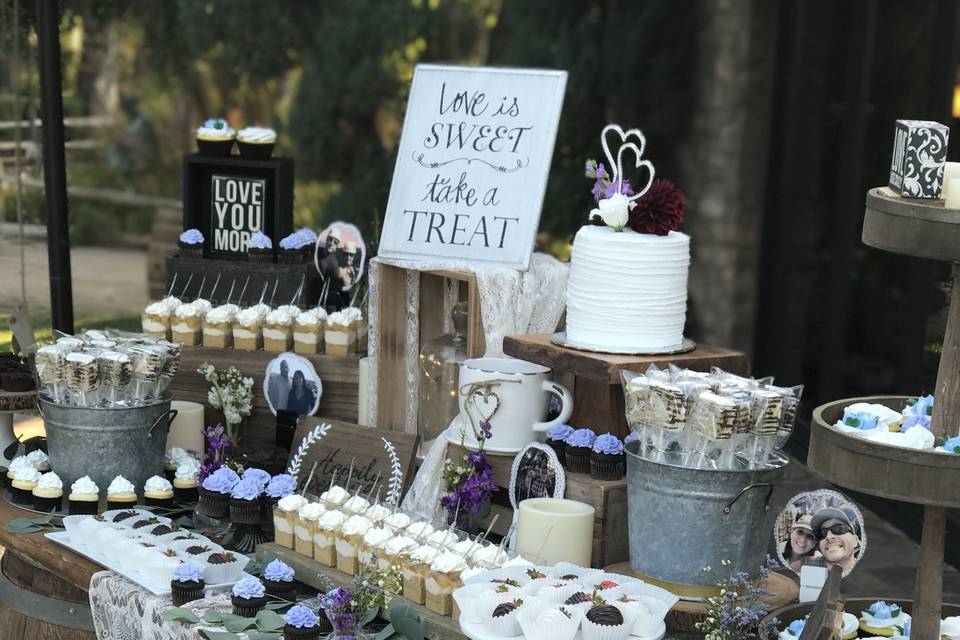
[319, 576]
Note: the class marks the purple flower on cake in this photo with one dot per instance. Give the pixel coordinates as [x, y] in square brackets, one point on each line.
[259, 240]
[191, 236]
[280, 486]
[559, 432]
[259, 475]
[246, 489]
[300, 617]
[188, 572]
[952, 445]
[277, 571]
[582, 438]
[292, 241]
[249, 588]
[486, 430]
[608, 443]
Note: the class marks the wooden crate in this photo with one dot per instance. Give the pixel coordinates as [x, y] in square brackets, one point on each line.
[607, 497]
[392, 410]
[340, 378]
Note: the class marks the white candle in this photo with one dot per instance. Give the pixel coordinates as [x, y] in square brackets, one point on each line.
[952, 199]
[551, 530]
[951, 171]
[364, 371]
[186, 431]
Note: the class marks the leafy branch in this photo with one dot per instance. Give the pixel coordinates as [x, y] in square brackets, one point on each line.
[396, 474]
[317, 433]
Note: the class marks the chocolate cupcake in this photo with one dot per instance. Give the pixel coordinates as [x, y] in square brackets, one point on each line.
[215, 493]
[555, 440]
[215, 138]
[158, 492]
[248, 597]
[278, 579]
[577, 448]
[293, 249]
[48, 493]
[191, 244]
[245, 502]
[185, 481]
[302, 624]
[22, 485]
[260, 248]
[187, 584]
[84, 498]
[607, 460]
[256, 142]
[121, 494]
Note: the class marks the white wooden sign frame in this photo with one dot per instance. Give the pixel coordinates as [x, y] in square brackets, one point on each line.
[472, 164]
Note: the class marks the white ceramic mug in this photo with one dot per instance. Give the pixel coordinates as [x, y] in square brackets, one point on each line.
[511, 395]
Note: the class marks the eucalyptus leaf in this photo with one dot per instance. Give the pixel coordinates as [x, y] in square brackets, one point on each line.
[269, 620]
[21, 525]
[410, 629]
[179, 614]
[402, 611]
[184, 521]
[10, 452]
[256, 635]
[41, 521]
[277, 605]
[236, 624]
[212, 616]
[219, 635]
[385, 633]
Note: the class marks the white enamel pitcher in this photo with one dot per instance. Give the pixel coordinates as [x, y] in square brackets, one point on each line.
[507, 397]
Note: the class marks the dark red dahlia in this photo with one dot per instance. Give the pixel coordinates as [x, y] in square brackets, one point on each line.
[660, 210]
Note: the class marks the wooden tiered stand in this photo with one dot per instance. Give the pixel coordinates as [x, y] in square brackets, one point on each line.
[924, 229]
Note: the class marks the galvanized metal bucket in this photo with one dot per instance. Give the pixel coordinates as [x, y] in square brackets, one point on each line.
[682, 520]
[106, 442]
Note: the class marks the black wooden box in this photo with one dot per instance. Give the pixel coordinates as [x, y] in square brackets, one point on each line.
[230, 198]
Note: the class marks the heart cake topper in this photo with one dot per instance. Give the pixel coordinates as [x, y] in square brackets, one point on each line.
[656, 208]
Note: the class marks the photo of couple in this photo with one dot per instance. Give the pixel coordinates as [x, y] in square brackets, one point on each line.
[820, 528]
[340, 258]
[292, 385]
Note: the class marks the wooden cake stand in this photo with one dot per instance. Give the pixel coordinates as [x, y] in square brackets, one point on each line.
[10, 403]
[924, 229]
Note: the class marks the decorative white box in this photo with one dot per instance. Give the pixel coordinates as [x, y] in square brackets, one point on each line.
[919, 151]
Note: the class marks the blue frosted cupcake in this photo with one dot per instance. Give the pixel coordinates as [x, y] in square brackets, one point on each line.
[245, 501]
[555, 440]
[191, 244]
[293, 249]
[248, 597]
[187, 584]
[279, 486]
[260, 248]
[215, 493]
[607, 461]
[303, 624]
[577, 449]
[278, 579]
[215, 138]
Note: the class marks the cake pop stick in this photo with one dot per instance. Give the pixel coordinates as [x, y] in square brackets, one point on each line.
[243, 291]
[350, 473]
[333, 477]
[274, 292]
[173, 283]
[263, 293]
[230, 293]
[296, 296]
[309, 478]
[203, 281]
[478, 541]
[213, 291]
[375, 481]
[323, 293]
[506, 538]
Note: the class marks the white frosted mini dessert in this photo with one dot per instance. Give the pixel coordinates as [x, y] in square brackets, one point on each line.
[278, 331]
[371, 544]
[218, 326]
[396, 550]
[416, 571]
[306, 527]
[377, 513]
[418, 531]
[443, 580]
[349, 539]
[308, 331]
[355, 505]
[155, 320]
[334, 497]
[285, 519]
[186, 326]
[325, 538]
[340, 336]
[358, 327]
[396, 522]
[248, 328]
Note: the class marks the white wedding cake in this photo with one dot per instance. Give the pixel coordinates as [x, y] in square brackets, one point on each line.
[627, 289]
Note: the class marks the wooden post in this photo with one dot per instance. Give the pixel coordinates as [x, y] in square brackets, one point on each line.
[946, 408]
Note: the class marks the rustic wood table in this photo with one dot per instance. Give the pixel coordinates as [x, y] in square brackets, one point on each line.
[594, 378]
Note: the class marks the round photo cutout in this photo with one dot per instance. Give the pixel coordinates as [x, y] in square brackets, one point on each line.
[820, 528]
[340, 256]
[291, 384]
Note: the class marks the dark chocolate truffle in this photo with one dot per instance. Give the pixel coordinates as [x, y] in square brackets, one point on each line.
[605, 615]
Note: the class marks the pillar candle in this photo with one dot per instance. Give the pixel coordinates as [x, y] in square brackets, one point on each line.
[364, 371]
[952, 199]
[186, 431]
[951, 171]
[551, 530]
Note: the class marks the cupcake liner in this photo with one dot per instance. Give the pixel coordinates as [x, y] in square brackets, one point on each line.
[165, 503]
[604, 576]
[517, 574]
[127, 522]
[546, 591]
[214, 148]
[181, 594]
[282, 590]
[161, 568]
[642, 620]
[46, 504]
[185, 494]
[213, 504]
[260, 256]
[82, 507]
[592, 631]
[120, 505]
[187, 251]
[604, 469]
[507, 625]
[105, 540]
[564, 568]
[71, 525]
[181, 547]
[469, 596]
[560, 448]
[577, 459]
[257, 151]
[220, 573]
[245, 511]
[644, 590]
[247, 608]
[87, 530]
[559, 628]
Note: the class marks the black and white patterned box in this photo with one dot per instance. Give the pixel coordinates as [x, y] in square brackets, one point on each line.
[919, 151]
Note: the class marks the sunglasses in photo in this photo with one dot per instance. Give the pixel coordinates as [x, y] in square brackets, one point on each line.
[838, 529]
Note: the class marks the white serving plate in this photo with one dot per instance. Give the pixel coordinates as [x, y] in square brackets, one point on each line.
[475, 631]
[142, 579]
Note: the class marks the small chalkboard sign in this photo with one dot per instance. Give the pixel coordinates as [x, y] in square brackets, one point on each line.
[364, 446]
[229, 199]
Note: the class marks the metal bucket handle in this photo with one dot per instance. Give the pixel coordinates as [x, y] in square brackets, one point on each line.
[169, 414]
[753, 485]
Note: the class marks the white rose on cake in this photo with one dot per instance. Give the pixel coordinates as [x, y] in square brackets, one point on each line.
[613, 211]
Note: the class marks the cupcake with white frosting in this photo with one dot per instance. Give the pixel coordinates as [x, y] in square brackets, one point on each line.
[158, 492]
[48, 492]
[121, 494]
[256, 142]
[84, 497]
[38, 458]
[186, 479]
[215, 138]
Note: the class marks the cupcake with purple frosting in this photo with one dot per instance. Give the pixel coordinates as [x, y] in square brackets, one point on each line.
[278, 579]
[215, 492]
[556, 435]
[607, 461]
[280, 486]
[577, 449]
[248, 597]
[293, 249]
[187, 584]
[301, 624]
[191, 244]
[260, 248]
[245, 501]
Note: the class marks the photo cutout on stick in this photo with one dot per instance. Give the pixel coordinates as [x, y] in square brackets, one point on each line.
[340, 256]
[536, 473]
[291, 384]
[820, 528]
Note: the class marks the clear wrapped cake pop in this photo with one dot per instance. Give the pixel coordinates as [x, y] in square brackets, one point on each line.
[83, 378]
[116, 372]
[50, 362]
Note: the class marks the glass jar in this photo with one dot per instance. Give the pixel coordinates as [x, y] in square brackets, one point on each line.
[440, 359]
